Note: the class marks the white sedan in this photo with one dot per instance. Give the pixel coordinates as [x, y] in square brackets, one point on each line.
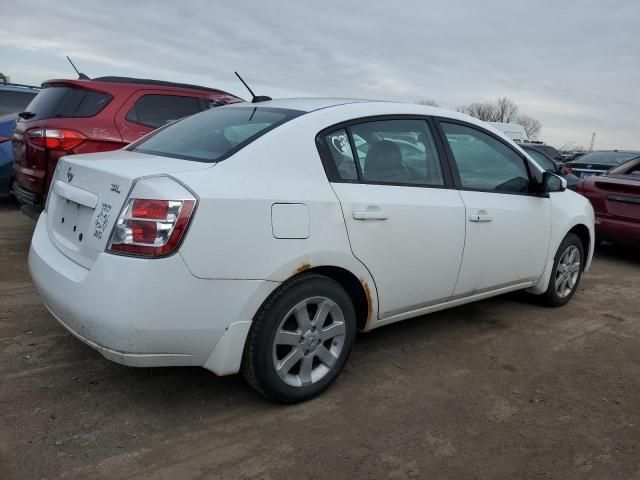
[260, 237]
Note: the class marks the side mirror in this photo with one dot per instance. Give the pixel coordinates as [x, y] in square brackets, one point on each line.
[553, 182]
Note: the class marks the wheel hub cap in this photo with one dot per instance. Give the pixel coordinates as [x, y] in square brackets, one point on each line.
[567, 271]
[308, 341]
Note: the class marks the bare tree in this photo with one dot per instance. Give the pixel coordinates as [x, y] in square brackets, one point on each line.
[505, 110]
[531, 126]
[484, 111]
[428, 102]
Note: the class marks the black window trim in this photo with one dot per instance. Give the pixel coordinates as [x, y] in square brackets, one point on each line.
[535, 176]
[332, 171]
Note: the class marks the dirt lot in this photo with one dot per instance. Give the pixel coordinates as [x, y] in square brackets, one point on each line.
[499, 389]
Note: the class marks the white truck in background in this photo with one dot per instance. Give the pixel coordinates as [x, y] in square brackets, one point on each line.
[514, 131]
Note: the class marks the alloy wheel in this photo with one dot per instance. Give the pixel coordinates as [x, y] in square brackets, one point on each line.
[308, 341]
[567, 271]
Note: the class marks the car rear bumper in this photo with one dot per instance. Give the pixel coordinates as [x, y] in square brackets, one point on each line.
[25, 196]
[617, 230]
[146, 313]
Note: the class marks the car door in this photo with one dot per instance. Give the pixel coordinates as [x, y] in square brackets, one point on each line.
[507, 226]
[405, 222]
[147, 110]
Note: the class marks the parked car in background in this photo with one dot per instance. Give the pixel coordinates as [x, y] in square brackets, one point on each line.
[514, 131]
[597, 163]
[548, 150]
[291, 236]
[615, 197]
[70, 117]
[550, 164]
[13, 99]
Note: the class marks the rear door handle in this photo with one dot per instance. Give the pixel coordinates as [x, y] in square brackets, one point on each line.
[369, 215]
[480, 218]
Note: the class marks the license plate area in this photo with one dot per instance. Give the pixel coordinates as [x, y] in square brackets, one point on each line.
[71, 221]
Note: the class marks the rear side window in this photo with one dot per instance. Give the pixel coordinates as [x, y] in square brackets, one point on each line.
[215, 134]
[14, 102]
[159, 110]
[485, 163]
[67, 102]
[397, 152]
[342, 155]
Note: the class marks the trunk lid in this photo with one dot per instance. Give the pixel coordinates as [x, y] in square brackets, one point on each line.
[88, 192]
[621, 197]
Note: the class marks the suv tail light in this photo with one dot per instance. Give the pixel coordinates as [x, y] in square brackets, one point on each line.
[568, 169]
[56, 138]
[152, 227]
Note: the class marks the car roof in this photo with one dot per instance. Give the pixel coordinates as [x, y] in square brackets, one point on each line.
[16, 87]
[613, 151]
[134, 83]
[355, 108]
[305, 104]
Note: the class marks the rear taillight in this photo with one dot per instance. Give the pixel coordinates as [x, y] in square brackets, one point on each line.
[151, 227]
[55, 138]
[568, 169]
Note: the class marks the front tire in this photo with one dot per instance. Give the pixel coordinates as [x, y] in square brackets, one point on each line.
[567, 272]
[300, 339]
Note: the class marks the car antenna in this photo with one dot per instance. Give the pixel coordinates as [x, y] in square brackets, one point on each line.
[255, 99]
[81, 76]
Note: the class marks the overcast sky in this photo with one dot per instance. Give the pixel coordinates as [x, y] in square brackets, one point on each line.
[574, 65]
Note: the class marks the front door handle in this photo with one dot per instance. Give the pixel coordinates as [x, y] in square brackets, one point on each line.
[369, 215]
[480, 218]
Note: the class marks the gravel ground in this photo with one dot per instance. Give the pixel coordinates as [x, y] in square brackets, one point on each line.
[503, 388]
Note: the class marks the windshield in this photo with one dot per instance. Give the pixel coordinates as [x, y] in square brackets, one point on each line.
[611, 158]
[213, 135]
[541, 160]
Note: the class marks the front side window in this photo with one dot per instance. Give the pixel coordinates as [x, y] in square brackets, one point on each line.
[485, 163]
[159, 110]
[213, 134]
[542, 160]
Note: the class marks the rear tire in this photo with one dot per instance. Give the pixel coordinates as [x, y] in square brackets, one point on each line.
[567, 272]
[300, 339]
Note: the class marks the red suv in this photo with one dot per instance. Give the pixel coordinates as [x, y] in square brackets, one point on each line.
[83, 116]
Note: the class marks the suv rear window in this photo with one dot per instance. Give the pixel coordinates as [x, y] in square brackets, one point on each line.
[213, 135]
[14, 102]
[67, 102]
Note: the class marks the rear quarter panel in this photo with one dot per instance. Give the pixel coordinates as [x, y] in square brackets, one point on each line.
[232, 234]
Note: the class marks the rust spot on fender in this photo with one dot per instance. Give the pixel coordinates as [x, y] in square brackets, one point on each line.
[367, 293]
[302, 268]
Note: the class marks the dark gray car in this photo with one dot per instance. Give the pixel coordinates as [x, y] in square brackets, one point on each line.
[551, 165]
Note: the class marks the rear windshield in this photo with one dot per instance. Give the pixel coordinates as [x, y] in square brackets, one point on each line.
[213, 135]
[14, 102]
[67, 102]
[611, 158]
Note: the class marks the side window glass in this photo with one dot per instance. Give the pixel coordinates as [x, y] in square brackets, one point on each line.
[338, 144]
[397, 151]
[485, 163]
[158, 110]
